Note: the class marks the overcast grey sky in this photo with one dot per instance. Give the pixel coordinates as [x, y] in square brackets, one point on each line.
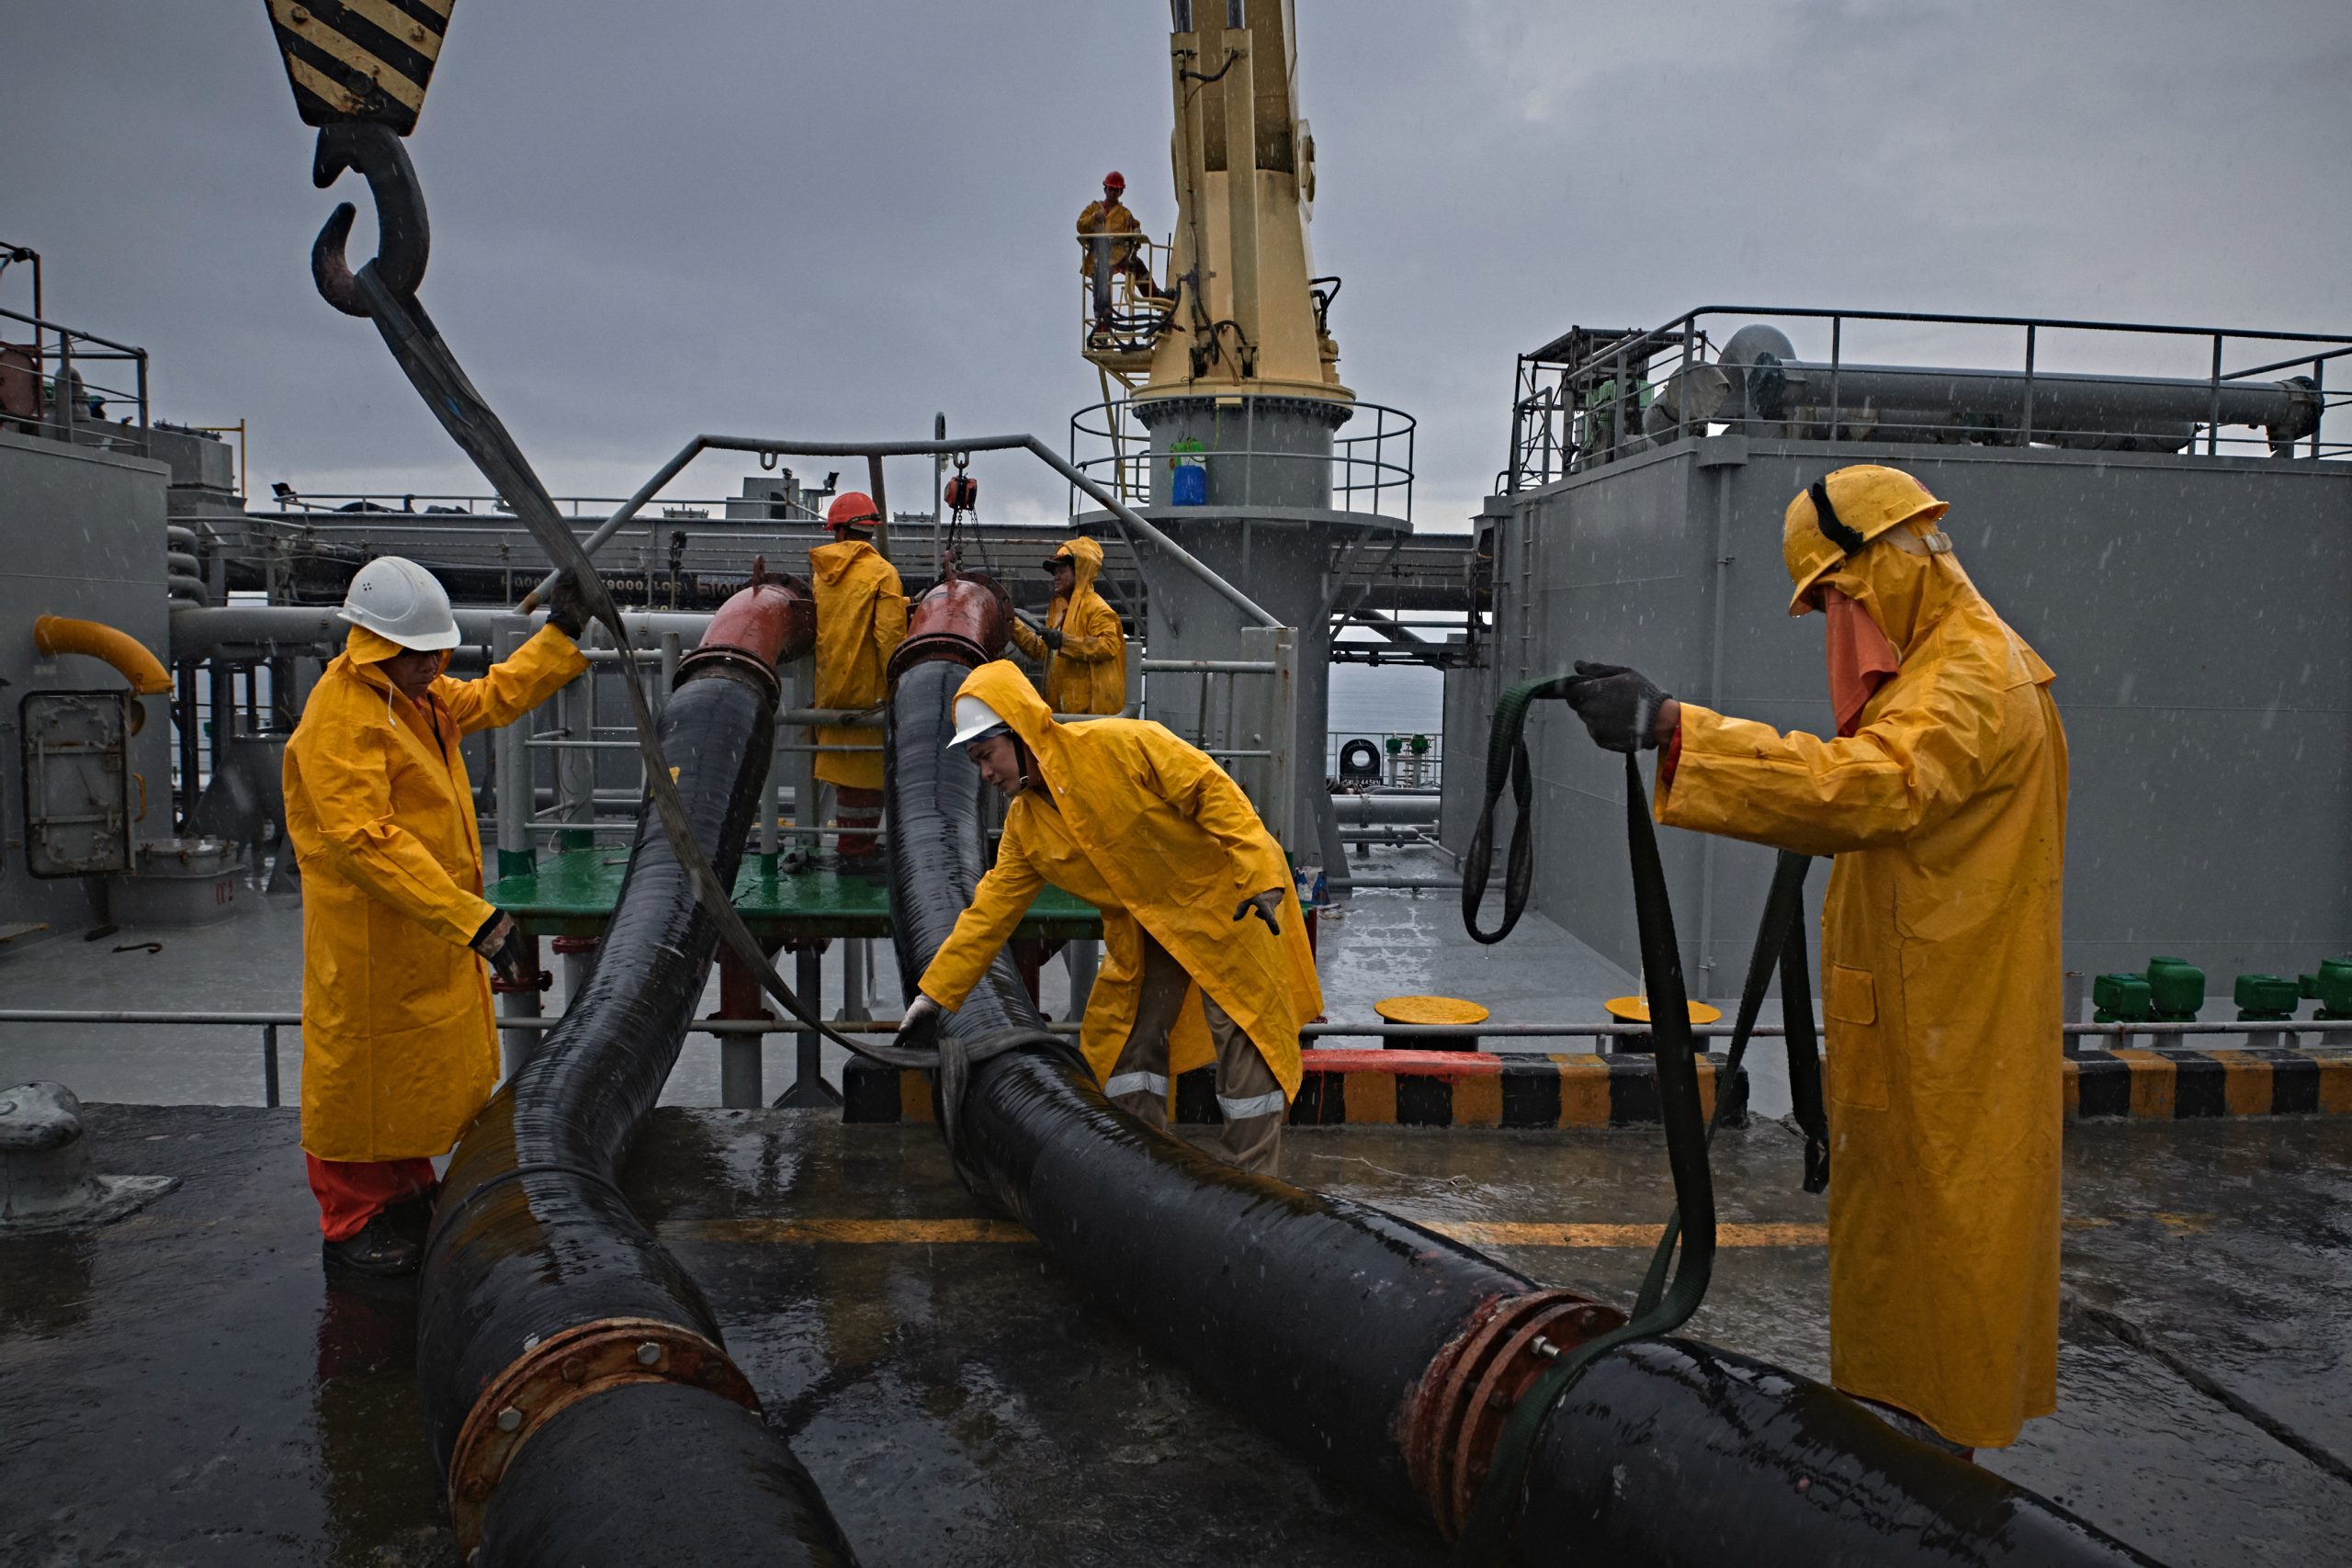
[831, 220]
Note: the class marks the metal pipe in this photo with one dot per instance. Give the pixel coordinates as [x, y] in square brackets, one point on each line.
[1240, 1278]
[198, 629]
[572, 1377]
[2057, 404]
[1129, 518]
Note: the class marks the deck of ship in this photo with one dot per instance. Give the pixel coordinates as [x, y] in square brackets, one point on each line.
[186, 1387]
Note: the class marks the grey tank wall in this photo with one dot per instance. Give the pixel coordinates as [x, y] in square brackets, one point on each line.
[84, 534]
[2194, 609]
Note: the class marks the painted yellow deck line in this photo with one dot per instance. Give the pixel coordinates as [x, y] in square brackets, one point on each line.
[1473, 1233]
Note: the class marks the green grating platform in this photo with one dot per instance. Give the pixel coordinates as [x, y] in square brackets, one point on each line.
[571, 893]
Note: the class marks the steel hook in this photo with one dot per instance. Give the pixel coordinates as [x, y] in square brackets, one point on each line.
[402, 237]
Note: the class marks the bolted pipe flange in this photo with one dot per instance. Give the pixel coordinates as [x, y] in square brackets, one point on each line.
[46, 1182]
[557, 1371]
[1451, 1423]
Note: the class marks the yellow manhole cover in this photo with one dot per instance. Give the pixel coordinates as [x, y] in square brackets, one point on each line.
[1428, 1009]
[1636, 1010]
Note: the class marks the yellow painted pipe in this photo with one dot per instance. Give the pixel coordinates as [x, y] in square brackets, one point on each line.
[59, 634]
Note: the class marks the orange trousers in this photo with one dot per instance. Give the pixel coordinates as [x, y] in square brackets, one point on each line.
[351, 1193]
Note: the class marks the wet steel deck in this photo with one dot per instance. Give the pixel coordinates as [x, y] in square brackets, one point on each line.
[185, 1388]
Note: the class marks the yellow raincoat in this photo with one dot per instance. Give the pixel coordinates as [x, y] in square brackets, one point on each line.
[1941, 981]
[861, 619]
[1090, 673]
[399, 1050]
[1151, 832]
[1105, 218]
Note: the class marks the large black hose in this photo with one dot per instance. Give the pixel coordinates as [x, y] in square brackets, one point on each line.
[1379, 1350]
[575, 1386]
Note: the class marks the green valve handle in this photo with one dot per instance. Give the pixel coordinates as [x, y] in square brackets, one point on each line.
[2178, 988]
[2265, 998]
[2332, 987]
[2121, 998]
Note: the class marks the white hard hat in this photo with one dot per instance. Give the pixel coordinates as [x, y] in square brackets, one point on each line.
[399, 600]
[975, 720]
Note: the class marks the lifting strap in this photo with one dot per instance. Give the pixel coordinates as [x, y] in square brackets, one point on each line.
[1661, 1307]
[1506, 763]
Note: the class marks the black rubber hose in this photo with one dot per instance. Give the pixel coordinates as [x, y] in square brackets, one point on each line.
[1319, 1318]
[532, 1238]
[1669, 1452]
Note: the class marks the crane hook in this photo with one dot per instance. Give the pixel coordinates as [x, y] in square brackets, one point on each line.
[402, 238]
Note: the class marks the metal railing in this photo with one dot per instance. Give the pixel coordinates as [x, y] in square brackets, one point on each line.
[1592, 398]
[1136, 319]
[48, 386]
[1370, 471]
[270, 1022]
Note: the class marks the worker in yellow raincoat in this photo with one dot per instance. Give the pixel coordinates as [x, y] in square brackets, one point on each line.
[1206, 953]
[1944, 800]
[1109, 244]
[860, 620]
[1084, 647]
[399, 1050]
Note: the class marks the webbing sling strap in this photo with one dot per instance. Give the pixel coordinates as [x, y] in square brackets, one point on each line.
[1779, 945]
[1489, 1524]
[1506, 763]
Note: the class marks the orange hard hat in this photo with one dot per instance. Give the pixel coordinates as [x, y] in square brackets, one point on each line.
[1114, 181]
[852, 509]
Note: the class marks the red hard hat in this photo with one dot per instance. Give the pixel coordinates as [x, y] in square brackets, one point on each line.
[1114, 181]
[852, 509]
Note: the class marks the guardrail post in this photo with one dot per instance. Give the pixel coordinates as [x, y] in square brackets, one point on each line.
[2025, 420]
[511, 780]
[1273, 725]
[575, 767]
[2214, 405]
[809, 1091]
[807, 804]
[738, 1055]
[270, 1065]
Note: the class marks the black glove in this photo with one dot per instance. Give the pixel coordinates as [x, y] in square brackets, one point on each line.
[502, 942]
[567, 606]
[1619, 706]
[1052, 637]
[1267, 905]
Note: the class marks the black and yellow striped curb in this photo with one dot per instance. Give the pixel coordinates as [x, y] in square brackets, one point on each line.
[2169, 1083]
[1460, 1089]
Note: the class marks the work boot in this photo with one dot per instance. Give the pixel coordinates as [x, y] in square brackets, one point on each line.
[378, 1250]
[410, 1218]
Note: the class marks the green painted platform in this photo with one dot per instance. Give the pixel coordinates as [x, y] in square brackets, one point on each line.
[571, 894]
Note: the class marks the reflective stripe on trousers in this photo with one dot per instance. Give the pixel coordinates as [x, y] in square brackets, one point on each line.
[1247, 1090]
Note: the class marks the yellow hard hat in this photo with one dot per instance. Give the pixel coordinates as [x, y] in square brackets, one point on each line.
[1836, 517]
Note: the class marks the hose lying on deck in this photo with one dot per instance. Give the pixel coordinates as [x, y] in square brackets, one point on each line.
[574, 1385]
[1390, 1355]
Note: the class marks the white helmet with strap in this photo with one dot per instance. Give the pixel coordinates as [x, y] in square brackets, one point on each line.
[403, 603]
[975, 720]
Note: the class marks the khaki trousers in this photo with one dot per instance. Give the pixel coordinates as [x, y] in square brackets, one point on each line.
[1247, 1090]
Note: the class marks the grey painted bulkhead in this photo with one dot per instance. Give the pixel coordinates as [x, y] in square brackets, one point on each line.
[84, 534]
[2197, 612]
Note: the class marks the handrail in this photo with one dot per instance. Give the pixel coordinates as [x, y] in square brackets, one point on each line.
[270, 1022]
[1539, 447]
[1129, 519]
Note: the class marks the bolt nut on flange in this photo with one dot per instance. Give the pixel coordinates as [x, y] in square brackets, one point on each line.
[1452, 1422]
[558, 1371]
